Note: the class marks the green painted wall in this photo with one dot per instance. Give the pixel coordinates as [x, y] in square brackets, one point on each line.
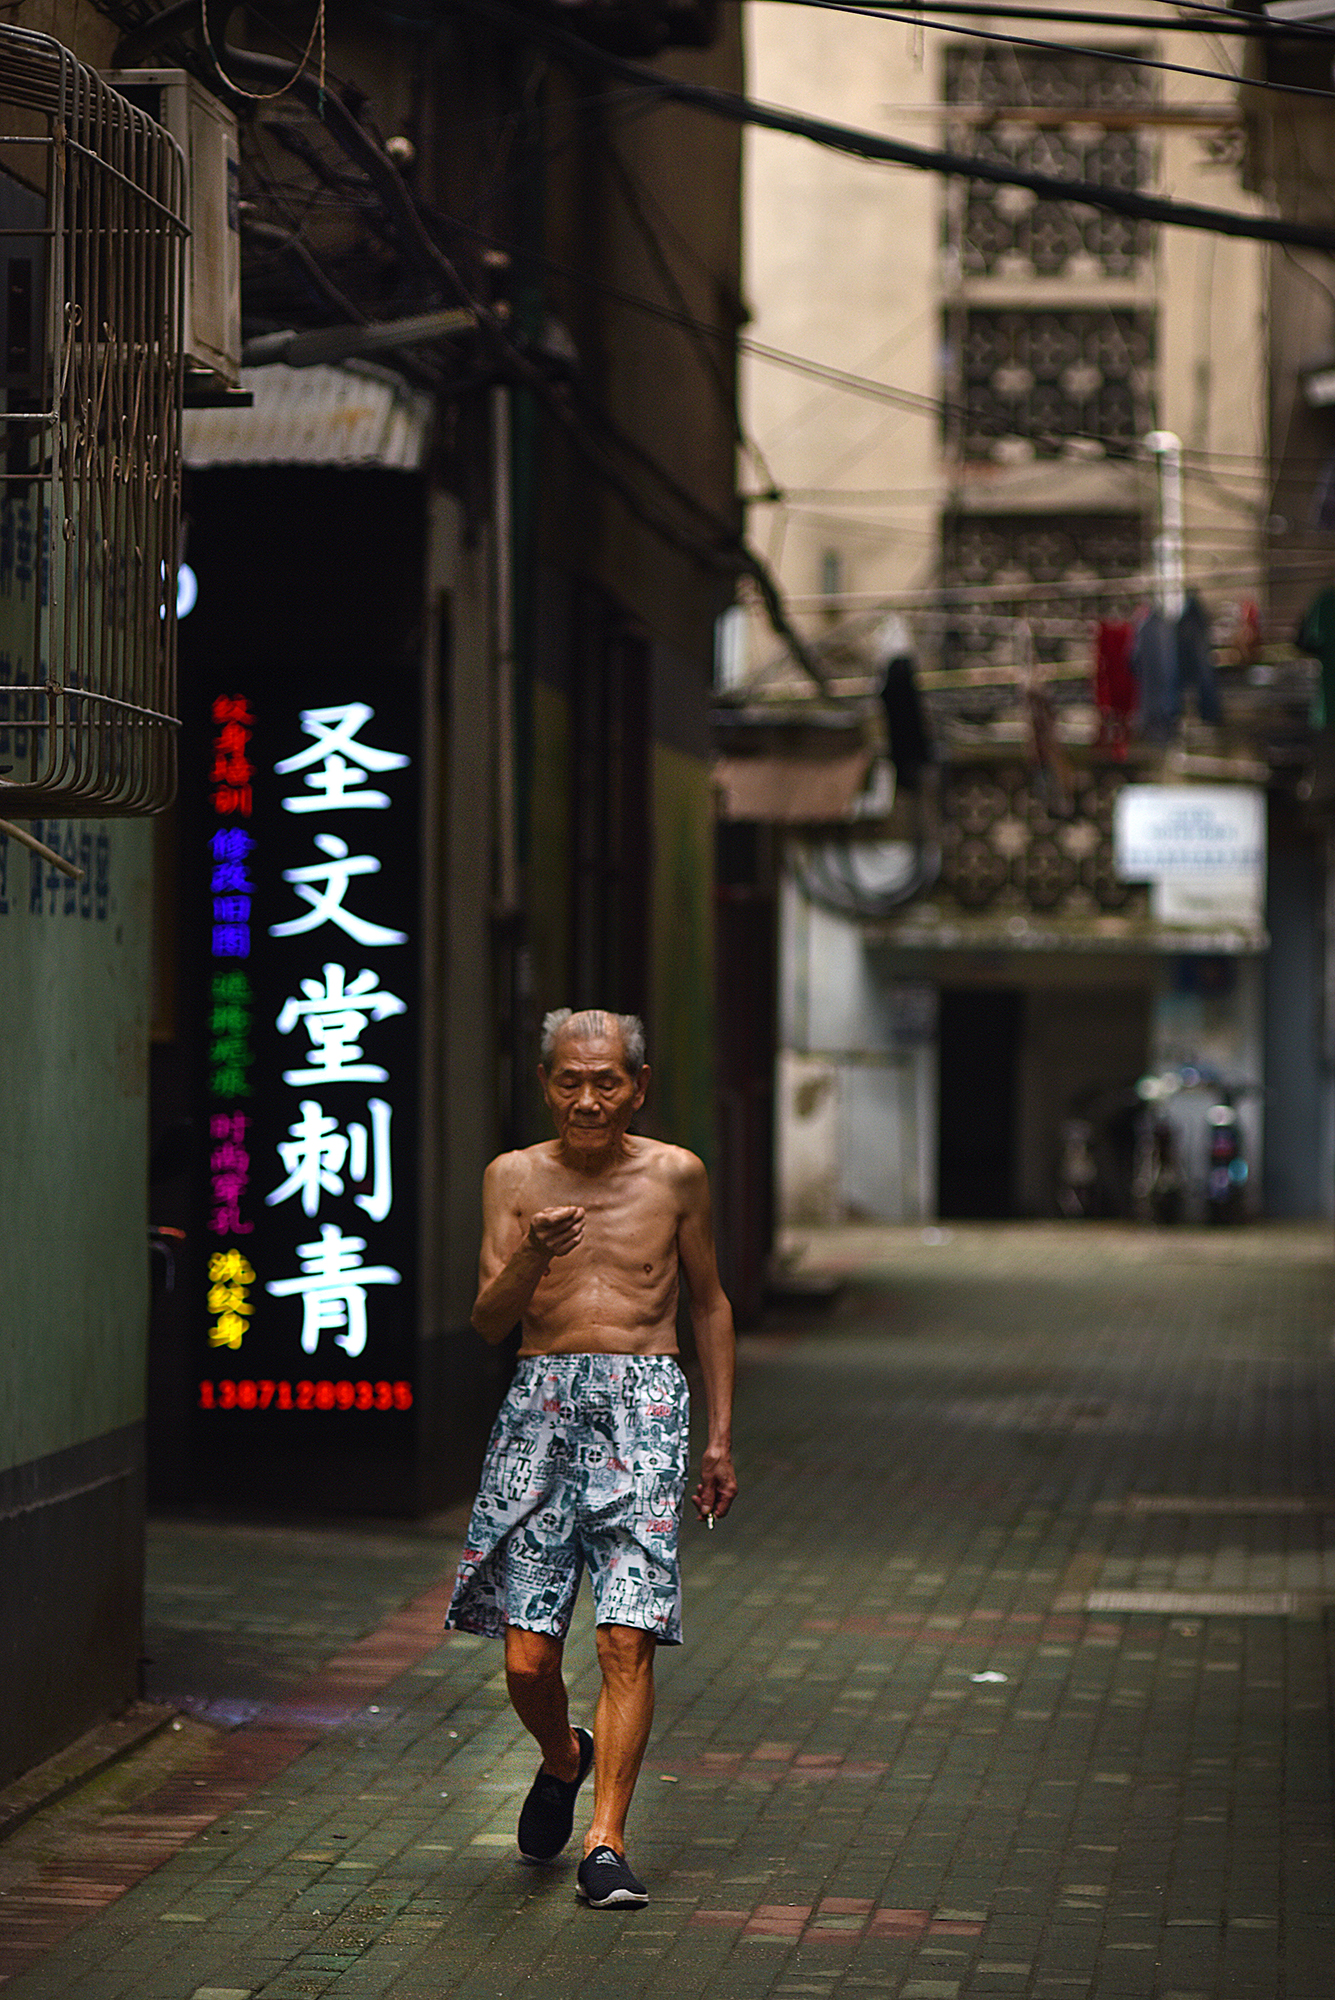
[74, 998]
[682, 1055]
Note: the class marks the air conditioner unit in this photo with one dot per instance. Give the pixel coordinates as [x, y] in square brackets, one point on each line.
[205, 130]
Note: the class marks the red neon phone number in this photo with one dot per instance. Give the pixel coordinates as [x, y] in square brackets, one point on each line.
[228, 1394]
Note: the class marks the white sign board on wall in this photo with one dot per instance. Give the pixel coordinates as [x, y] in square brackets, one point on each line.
[1164, 833]
[1201, 847]
[1199, 902]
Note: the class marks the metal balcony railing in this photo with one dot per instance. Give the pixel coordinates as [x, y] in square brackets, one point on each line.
[92, 234]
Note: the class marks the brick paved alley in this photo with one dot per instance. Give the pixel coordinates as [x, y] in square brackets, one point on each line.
[1009, 1675]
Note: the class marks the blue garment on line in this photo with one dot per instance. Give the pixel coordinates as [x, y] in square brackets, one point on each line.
[1154, 664]
[1169, 660]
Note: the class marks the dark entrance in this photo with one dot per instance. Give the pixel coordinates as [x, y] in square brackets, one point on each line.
[610, 807]
[980, 1059]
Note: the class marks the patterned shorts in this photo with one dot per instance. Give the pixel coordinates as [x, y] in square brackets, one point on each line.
[587, 1464]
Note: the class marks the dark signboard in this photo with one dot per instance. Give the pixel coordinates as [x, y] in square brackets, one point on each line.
[305, 876]
[309, 878]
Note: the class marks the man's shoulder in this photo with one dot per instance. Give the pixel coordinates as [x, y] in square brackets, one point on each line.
[509, 1170]
[673, 1164]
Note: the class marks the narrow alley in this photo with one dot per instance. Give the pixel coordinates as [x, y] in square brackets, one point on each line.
[1009, 1674]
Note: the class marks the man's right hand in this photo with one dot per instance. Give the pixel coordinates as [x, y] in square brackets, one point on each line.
[556, 1231]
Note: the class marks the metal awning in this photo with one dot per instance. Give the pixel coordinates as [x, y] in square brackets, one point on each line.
[356, 415]
[792, 791]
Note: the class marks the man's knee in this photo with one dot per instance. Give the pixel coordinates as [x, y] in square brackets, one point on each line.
[532, 1657]
[625, 1652]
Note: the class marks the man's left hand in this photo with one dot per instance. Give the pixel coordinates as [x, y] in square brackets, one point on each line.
[718, 1483]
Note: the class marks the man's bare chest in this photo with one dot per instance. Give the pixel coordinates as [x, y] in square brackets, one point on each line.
[634, 1214]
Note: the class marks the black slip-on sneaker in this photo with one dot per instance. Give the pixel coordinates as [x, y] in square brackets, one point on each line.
[605, 1882]
[548, 1815]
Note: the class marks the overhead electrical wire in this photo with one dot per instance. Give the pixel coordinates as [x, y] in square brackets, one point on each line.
[716, 542]
[737, 109]
[833, 874]
[868, 145]
[915, 17]
[1126, 57]
[1219, 21]
[906, 399]
[1236, 465]
[729, 105]
[914, 402]
[637, 200]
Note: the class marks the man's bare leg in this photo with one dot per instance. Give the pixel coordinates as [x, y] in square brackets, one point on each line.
[538, 1697]
[620, 1729]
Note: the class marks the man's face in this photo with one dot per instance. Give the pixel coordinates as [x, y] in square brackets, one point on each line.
[590, 1093]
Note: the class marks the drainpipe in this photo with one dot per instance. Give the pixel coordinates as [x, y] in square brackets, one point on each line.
[1170, 591]
[507, 869]
[507, 957]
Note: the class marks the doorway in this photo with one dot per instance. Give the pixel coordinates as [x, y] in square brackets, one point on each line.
[980, 1031]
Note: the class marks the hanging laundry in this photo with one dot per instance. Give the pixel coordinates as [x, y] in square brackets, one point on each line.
[1171, 657]
[1316, 635]
[1195, 660]
[906, 723]
[1154, 662]
[1247, 638]
[1114, 684]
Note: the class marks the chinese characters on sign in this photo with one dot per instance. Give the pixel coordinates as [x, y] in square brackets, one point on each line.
[232, 769]
[320, 1159]
[230, 1279]
[28, 881]
[308, 1054]
[231, 1009]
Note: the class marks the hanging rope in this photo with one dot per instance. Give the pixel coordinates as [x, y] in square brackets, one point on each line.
[265, 96]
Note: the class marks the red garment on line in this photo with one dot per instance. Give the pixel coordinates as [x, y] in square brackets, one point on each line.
[1114, 682]
[1115, 691]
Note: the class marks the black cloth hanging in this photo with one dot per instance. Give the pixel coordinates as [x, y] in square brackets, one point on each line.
[1195, 660]
[906, 724]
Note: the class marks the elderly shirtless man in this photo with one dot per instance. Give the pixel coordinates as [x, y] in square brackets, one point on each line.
[583, 1240]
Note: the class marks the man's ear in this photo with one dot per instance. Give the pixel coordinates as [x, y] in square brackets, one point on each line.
[642, 1084]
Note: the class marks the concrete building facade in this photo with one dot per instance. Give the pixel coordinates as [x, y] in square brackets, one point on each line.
[950, 421]
[505, 543]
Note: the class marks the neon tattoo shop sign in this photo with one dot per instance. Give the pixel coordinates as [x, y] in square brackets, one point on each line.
[311, 865]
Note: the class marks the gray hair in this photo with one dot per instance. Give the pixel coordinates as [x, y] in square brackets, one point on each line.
[593, 1021]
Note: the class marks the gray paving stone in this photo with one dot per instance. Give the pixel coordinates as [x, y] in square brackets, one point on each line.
[935, 1471]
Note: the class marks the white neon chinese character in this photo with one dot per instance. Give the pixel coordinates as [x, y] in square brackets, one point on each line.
[343, 761]
[335, 1014]
[327, 903]
[313, 1156]
[316, 1153]
[332, 1291]
[381, 1198]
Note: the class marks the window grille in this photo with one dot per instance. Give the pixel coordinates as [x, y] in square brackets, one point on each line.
[1008, 232]
[1039, 379]
[994, 77]
[1065, 570]
[1047, 356]
[1003, 849]
[92, 232]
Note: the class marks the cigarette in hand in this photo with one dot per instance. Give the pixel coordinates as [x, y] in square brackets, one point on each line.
[709, 1521]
